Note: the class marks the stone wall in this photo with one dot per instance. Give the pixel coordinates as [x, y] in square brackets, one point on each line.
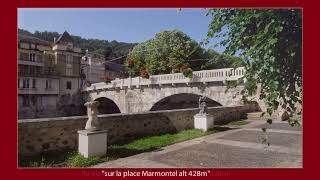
[36, 136]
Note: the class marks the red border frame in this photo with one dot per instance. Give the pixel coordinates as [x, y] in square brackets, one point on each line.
[9, 75]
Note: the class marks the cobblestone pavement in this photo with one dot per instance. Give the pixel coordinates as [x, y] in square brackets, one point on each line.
[236, 148]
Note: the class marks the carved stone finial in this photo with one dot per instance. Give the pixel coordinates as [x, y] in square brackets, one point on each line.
[92, 111]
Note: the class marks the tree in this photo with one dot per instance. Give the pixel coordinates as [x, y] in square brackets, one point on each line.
[219, 61]
[165, 51]
[270, 42]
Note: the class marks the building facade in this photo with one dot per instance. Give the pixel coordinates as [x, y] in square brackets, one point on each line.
[115, 70]
[38, 80]
[48, 76]
[95, 69]
[92, 68]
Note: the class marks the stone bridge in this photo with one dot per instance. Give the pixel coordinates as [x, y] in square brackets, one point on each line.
[168, 91]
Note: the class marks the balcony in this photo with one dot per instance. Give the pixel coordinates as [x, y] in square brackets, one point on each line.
[30, 63]
[37, 91]
[45, 73]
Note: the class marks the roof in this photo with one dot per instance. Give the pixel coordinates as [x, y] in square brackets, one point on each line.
[115, 67]
[65, 37]
[31, 39]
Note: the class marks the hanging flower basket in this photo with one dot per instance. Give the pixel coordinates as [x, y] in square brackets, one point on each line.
[183, 68]
[130, 63]
[186, 71]
[175, 68]
[88, 83]
[107, 79]
[144, 73]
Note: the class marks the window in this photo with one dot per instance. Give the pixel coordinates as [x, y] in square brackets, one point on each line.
[33, 83]
[68, 84]
[69, 46]
[25, 69]
[32, 57]
[32, 70]
[25, 83]
[47, 84]
[69, 59]
[33, 100]
[38, 70]
[18, 83]
[25, 101]
[24, 56]
[69, 71]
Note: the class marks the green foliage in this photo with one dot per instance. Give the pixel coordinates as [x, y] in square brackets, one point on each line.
[219, 61]
[294, 121]
[188, 73]
[110, 49]
[165, 51]
[40, 163]
[270, 42]
[78, 160]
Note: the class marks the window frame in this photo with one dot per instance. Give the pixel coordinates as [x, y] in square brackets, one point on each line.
[68, 85]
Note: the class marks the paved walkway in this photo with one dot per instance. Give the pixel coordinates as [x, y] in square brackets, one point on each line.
[235, 148]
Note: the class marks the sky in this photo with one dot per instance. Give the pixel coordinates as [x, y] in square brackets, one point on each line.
[120, 24]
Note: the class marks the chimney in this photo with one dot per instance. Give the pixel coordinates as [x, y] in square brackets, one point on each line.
[54, 40]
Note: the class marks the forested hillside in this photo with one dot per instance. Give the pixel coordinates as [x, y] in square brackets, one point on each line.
[110, 49]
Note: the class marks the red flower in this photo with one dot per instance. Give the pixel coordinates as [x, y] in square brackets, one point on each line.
[107, 79]
[183, 68]
[130, 63]
[88, 83]
[144, 73]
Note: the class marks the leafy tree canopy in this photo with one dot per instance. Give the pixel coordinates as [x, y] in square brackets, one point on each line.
[165, 51]
[172, 48]
[270, 41]
[218, 61]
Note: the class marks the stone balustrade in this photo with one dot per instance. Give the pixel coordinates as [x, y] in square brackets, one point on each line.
[215, 75]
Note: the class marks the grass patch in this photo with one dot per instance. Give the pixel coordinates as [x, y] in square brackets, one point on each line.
[74, 159]
[238, 123]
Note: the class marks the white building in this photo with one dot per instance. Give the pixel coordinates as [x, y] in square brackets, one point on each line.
[48, 77]
[38, 81]
[92, 67]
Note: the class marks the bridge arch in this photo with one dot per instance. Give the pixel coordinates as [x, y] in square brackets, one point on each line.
[107, 106]
[181, 101]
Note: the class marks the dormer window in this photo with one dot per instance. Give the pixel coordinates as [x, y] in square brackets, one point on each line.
[69, 46]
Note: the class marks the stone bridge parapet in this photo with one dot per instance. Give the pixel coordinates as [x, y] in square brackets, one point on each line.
[134, 95]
